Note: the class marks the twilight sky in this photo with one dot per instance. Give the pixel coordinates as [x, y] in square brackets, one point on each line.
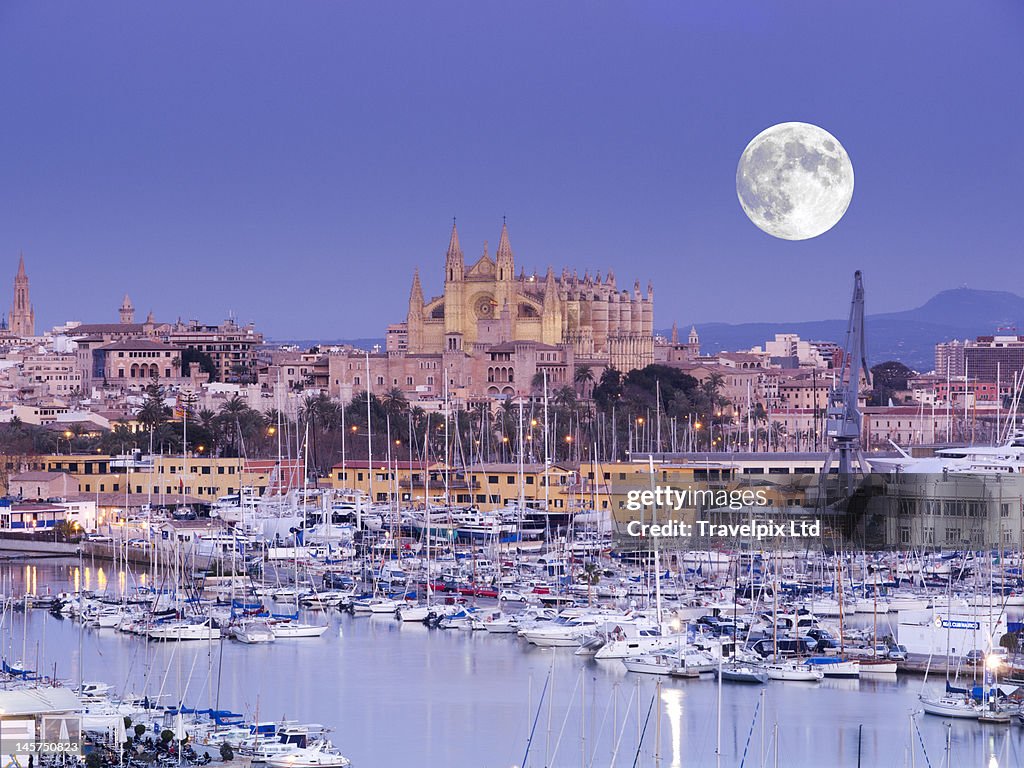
[293, 161]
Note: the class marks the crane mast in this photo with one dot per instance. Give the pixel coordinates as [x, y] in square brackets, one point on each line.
[843, 419]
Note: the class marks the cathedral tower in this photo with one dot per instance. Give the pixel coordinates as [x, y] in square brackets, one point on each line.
[505, 265]
[454, 292]
[22, 317]
[126, 311]
[414, 321]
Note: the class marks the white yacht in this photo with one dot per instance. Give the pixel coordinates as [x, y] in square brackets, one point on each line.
[255, 632]
[185, 630]
[320, 755]
[950, 705]
[289, 628]
[790, 671]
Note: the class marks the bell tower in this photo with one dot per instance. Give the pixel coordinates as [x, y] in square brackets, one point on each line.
[126, 312]
[454, 285]
[22, 317]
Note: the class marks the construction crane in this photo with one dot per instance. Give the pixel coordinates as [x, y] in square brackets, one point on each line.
[843, 419]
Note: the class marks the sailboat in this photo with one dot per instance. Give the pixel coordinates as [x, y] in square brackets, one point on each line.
[790, 671]
[954, 702]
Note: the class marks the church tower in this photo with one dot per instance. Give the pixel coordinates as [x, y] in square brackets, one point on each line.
[454, 293]
[414, 320]
[126, 311]
[22, 317]
[504, 264]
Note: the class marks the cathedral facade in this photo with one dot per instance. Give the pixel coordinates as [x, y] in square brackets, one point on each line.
[487, 303]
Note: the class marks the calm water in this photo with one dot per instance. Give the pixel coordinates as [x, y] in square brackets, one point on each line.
[404, 695]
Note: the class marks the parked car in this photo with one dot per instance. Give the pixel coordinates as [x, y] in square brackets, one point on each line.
[898, 652]
[512, 596]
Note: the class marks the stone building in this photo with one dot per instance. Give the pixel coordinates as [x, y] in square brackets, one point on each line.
[486, 303]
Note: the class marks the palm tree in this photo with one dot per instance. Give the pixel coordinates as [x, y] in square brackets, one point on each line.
[234, 406]
[591, 575]
[564, 397]
[394, 402]
[712, 385]
[537, 382]
[583, 378]
[154, 412]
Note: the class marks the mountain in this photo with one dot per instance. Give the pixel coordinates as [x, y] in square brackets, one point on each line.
[909, 336]
[367, 344]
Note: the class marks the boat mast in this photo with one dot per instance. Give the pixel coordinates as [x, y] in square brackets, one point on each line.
[369, 435]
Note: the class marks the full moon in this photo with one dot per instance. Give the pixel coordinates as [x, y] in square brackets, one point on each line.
[794, 181]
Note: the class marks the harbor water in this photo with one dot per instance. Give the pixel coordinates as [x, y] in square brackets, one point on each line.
[401, 694]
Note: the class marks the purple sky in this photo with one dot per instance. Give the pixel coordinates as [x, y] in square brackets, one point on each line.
[292, 162]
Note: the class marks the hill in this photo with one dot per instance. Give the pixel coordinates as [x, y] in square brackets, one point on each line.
[909, 336]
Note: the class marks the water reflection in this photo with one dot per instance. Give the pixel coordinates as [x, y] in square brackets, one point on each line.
[673, 701]
[459, 698]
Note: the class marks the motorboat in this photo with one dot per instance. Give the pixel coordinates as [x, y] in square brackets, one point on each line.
[638, 641]
[320, 755]
[254, 632]
[562, 632]
[650, 664]
[413, 612]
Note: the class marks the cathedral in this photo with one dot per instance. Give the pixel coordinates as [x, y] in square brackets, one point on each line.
[486, 304]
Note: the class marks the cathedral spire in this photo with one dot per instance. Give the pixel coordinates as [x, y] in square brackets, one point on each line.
[22, 319]
[504, 261]
[550, 289]
[416, 294]
[454, 265]
[453, 243]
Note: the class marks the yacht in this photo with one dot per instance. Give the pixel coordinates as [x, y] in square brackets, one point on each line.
[1007, 458]
[789, 671]
[950, 704]
[320, 755]
[185, 630]
[255, 632]
[288, 628]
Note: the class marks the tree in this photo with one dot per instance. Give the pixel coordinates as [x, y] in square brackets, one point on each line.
[202, 359]
[592, 576]
[608, 390]
[583, 378]
[537, 382]
[888, 378]
[394, 403]
[154, 412]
